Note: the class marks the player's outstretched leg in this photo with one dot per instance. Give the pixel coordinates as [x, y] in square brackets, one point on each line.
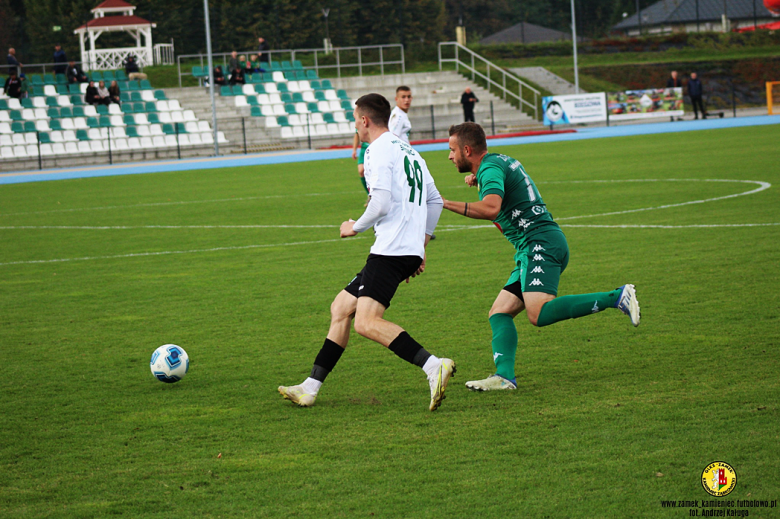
[574, 306]
[504, 345]
[341, 311]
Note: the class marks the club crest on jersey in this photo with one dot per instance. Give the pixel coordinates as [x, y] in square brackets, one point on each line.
[538, 209]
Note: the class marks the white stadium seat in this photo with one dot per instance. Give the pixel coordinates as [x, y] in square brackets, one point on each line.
[71, 147]
[6, 140]
[30, 138]
[69, 136]
[321, 130]
[46, 150]
[270, 88]
[309, 97]
[301, 108]
[346, 128]
[279, 110]
[5, 117]
[287, 132]
[165, 118]
[114, 109]
[134, 143]
[118, 133]
[304, 85]
[335, 106]
[68, 123]
[299, 131]
[42, 126]
[275, 99]
[240, 101]
[32, 150]
[63, 101]
[292, 86]
[83, 147]
[58, 148]
[116, 120]
[5, 128]
[248, 90]
[192, 127]
[14, 104]
[7, 152]
[278, 77]
[56, 136]
[162, 106]
[184, 139]
[323, 106]
[146, 143]
[333, 128]
[80, 123]
[159, 141]
[271, 122]
[141, 119]
[143, 131]
[174, 105]
[203, 126]
[40, 102]
[40, 113]
[316, 118]
[90, 111]
[94, 133]
[266, 110]
[339, 117]
[147, 95]
[295, 120]
[83, 88]
[189, 115]
[177, 117]
[263, 99]
[330, 95]
[20, 152]
[96, 146]
[28, 114]
[18, 139]
[49, 90]
[195, 138]
[170, 140]
[155, 129]
[120, 145]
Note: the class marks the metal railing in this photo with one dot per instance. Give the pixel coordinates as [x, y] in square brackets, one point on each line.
[313, 56]
[504, 76]
[163, 53]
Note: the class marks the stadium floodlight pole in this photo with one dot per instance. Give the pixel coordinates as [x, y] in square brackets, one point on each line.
[574, 44]
[211, 77]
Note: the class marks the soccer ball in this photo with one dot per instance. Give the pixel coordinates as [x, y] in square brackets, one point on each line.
[169, 363]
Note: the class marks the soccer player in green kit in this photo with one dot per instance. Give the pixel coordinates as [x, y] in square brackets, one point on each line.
[510, 199]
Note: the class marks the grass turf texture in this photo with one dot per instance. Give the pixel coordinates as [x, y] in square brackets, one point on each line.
[607, 422]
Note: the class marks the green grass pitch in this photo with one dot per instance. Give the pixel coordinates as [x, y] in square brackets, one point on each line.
[608, 420]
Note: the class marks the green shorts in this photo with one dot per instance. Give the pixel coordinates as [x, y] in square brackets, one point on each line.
[361, 152]
[540, 264]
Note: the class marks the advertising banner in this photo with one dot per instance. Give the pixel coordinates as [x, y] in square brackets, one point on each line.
[644, 104]
[575, 108]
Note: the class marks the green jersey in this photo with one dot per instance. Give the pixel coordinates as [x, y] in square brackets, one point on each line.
[523, 212]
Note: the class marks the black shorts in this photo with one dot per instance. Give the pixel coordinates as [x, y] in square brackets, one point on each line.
[381, 276]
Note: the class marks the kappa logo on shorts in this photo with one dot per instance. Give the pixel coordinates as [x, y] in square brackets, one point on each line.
[516, 213]
[361, 287]
[538, 257]
[536, 283]
[537, 270]
[538, 247]
[523, 223]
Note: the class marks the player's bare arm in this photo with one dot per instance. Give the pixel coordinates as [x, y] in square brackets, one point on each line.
[486, 209]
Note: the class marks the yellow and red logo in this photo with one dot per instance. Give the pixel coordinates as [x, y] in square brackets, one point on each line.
[719, 479]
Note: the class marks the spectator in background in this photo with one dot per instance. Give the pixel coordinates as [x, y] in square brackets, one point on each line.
[91, 96]
[115, 93]
[248, 69]
[695, 93]
[233, 63]
[468, 99]
[132, 70]
[219, 77]
[75, 74]
[13, 85]
[25, 87]
[673, 81]
[103, 94]
[12, 61]
[237, 77]
[262, 54]
[60, 59]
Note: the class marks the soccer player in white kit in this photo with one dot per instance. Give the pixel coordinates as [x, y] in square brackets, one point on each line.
[404, 209]
[399, 118]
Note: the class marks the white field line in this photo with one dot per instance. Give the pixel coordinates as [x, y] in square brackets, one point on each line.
[131, 227]
[163, 253]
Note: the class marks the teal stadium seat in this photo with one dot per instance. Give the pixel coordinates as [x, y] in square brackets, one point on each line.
[297, 97]
[276, 66]
[289, 75]
[350, 116]
[133, 86]
[346, 105]
[77, 100]
[297, 65]
[259, 88]
[181, 128]
[311, 74]
[286, 97]
[51, 102]
[160, 95]
[124, 97]
[136, 97]
[16, 115]
[283, 121]
[313, 108]
[77, 111]
[131, 131]
[319, 95]
[145, 84]
[62, 90]
[282, 87]
[150, 106]
[36, 80]
[92, 122]
[96, 76]
[66, 111]
[82, 135]
[27, 103]
[3, 103]
[252, 101]
[315, 85]
[300, 75]
[102, 109]
[17, 127]
[48, 79]
[104, 121]
[238, 90]
[120, 75]
[255, 111]
[60, 79]
[55, 125]
[53, 113]
[225, 91]
[328, 117]
[129, 120]
[109, 76]
[342, 94]
[74, 89]
[128, 107]
[167, 129]
[153, 118]
[290, 108]
[286, 65]
[326, 84]
[44, 138]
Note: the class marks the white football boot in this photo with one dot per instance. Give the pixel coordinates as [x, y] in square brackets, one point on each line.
[439, 380]
[628, 303]
[297, 395]
[492, 383]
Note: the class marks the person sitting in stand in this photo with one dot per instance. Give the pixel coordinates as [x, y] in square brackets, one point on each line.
[248, 69]
[13, 85]
[25, 87]
[132, 70]
[103, 94]
[237, 77]
[219, 77]
[233, 62]
[75, 74]
[115, 93]
[91, 96]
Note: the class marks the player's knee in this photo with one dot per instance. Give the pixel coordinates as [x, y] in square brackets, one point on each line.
[340, 309]
[533, 319]
[364, 326]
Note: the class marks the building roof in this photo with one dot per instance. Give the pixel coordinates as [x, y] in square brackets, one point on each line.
[113, 4]
[116, 21]
[525, 32]
[684, 11]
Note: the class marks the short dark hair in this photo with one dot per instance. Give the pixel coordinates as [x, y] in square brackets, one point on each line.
[375, 107]
[470, 134]
[404, 88]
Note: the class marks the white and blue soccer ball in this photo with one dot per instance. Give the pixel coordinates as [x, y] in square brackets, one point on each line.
[169, 363]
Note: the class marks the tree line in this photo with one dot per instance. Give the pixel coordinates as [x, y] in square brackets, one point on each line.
[29, 25]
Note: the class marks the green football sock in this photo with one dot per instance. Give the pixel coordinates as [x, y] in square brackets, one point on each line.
[571, 307]
[363, 181]
[504, 344]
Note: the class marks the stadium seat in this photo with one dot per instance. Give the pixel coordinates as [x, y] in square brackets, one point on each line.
[159, 95]
[74, 89]
[120, 75]
[62, 90]
[96, 76]
[286, 97]
[255, 111]
[132, 131]
[132, 86]
[289, 108]
[283, 121]
[308, 96]
[60, 79]
[13, 104]
[16, 115]
[347, 105]
[328, 118]
[92, 122]
[116, 120]
[29, 126]
[282, 87]
[326, 84]
[71, 147]
[312, 107]
[155, 129]
[56, 136]
[102, 109]
[129, 120]
[292, 86]
[342, 94]
[48, 79]
[195, 139]
[75, 100]
[52, 101]
[145, 85]
[277, 77]
[330, 95]
[148, 95]
[289, 75]
[114, 109]
[286, 65]
[252, 100]
[197, 71]
[177, 117]
[108, 77]
[20, 152]
[247, 90]
[237, 90]
[259, 88]
[82, 135]
[4, 117]
[297, 97]
[125, 97]
[117, 133]
[162, 106]
[158, 141]
[58, 148]
[42, 126]
[311, 74]
[225, 91]
[80, 122]
[36, 80]
[301, 108]
[135, 97]
[276, 66]
[121, 145]
[240, 101]
[316, 118]
[297, 65]
[151, 107]
[319, 95]
[152, 118]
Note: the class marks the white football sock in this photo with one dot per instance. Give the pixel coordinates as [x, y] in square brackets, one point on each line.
[431, 365]
[311, 386]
